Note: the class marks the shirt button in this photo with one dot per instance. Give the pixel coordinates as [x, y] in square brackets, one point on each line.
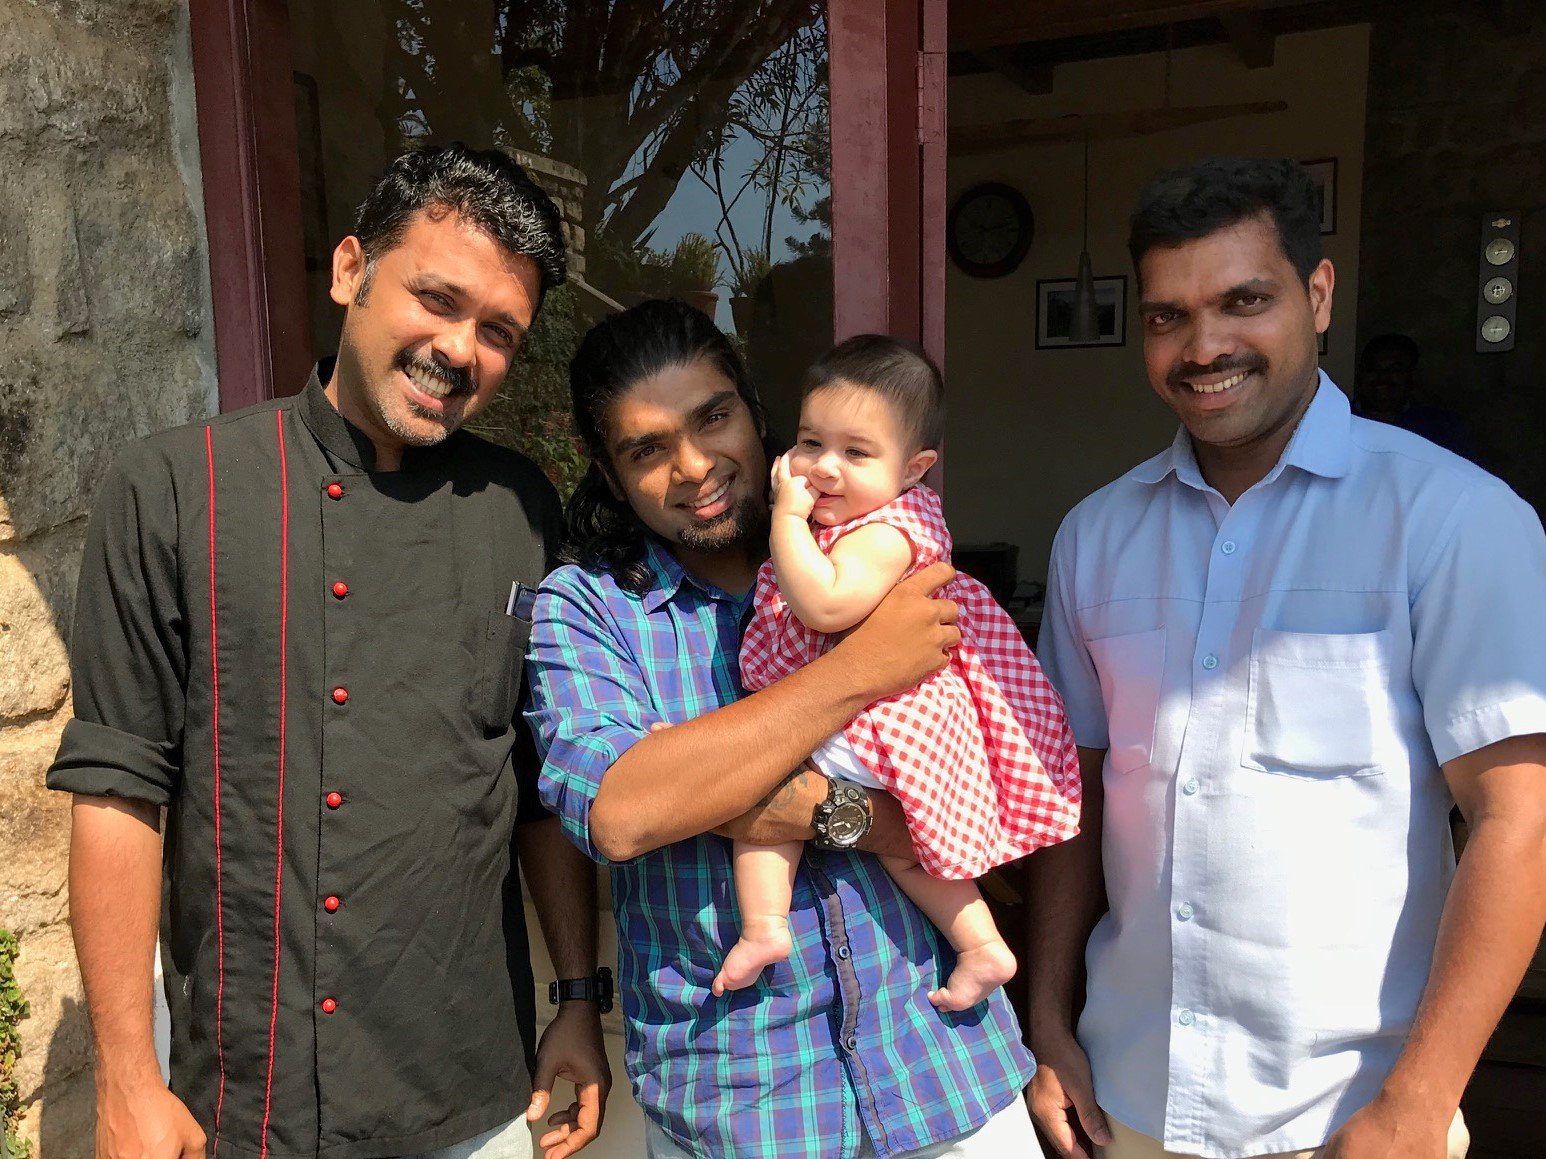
[331, 903]
[843, 952]
[1227, 547]
[335, 490]
[334, 800]
[1210, 661]
[340, 695]
[1184, 911]
[340, 589]
[1191, 787]
[851, 1043]
[1185, 1018]
[329, 1005]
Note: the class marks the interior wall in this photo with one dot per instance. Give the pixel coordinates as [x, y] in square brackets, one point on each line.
[1031, 432]
[1456, 130]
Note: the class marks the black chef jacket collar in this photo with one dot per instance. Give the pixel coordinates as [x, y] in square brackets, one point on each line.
[343, 440]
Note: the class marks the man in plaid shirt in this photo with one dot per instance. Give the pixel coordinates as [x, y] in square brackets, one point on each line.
[836, 1052]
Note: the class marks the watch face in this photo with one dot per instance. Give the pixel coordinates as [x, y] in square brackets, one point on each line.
[989, 230]
[1500, 251]
[1498, 290]
[1496, 328]
[846, 824]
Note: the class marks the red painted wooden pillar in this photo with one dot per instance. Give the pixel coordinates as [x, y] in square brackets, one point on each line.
[887, 94]
[251, 169]
[888, 168]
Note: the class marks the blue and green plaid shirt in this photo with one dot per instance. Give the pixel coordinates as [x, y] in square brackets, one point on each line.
[835, 1044]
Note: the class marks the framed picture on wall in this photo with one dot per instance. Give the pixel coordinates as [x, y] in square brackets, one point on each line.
[1055, 313]
[1324, 174]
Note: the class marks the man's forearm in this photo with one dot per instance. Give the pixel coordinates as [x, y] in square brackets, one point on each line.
[1067, 897]
[1490, 928]
[562, 881]
[785, 815]
[686, 780]
[115, 903]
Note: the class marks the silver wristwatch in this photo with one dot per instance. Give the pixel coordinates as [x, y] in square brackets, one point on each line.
[842, 820]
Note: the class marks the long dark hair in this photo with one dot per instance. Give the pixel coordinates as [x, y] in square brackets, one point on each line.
[616, 354]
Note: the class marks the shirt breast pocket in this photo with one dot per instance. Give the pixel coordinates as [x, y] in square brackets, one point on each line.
[499, 677]
[1131, 669]
[1320, 705]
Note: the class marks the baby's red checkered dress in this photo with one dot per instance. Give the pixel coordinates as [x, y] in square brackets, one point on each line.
[979, 755]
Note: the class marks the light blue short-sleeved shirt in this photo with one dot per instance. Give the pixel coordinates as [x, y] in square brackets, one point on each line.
[1277, 683]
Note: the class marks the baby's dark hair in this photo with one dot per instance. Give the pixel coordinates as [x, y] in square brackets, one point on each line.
[898, 371]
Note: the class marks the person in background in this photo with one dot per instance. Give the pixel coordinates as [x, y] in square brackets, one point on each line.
[1384, 384]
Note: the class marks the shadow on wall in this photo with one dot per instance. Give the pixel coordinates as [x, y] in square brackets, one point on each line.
[67, 1121]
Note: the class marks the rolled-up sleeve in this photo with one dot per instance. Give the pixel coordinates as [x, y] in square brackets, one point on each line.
[1479, 624]
[586, 709]
[1061, 649]
[127, 655]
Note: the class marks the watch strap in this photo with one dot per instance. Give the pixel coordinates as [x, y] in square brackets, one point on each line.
[597, 988]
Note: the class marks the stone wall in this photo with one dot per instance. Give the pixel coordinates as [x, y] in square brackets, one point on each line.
[1456, 129]
[103, 336]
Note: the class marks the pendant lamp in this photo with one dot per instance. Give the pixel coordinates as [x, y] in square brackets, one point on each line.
[1086, 326]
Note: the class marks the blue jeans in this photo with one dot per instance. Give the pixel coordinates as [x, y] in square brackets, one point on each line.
[510, 1141]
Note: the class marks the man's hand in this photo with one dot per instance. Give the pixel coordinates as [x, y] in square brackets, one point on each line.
[1390, 1127]
[571, 1048]
[143, 1120]
[908, 637]
[1062, 1085]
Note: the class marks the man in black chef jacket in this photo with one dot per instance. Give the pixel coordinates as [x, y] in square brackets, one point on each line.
[300, 630]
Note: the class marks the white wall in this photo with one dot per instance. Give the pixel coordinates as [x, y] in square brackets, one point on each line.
[1031, 432]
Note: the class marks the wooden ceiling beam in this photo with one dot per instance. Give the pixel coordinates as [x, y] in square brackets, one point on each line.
[977, 24]
[1034, 78]
[1254, 43]
[967, 139]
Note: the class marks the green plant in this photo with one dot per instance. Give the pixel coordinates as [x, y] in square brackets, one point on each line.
[694, 263]
[753, 267]
[531, 412]
[13, 1008]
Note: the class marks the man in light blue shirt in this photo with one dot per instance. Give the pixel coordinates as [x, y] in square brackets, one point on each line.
[1287, 644]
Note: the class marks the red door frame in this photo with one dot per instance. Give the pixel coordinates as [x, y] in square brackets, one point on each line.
[888, 168]
[888, 172]
[251, 173]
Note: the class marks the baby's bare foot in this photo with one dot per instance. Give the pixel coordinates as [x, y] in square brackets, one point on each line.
[979, 971]
[764, 940]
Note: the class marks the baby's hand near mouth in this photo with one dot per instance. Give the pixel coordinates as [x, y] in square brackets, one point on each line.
[792, 494]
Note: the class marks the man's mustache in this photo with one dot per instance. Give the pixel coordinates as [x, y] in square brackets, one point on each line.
[1228, 365]
[456, 377]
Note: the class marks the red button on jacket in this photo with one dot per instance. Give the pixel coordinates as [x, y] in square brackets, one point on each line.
[334, 800]
[335, 490]
[340, 589]
[340, 695]
[331, 904]
[329, 1005]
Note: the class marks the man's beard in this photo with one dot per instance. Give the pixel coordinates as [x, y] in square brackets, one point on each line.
[458, 379]
[745, 523]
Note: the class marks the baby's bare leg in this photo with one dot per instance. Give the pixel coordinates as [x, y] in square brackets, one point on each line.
[764, 886]
[984, 961]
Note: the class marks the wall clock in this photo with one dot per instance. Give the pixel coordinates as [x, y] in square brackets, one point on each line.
[989, 230]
